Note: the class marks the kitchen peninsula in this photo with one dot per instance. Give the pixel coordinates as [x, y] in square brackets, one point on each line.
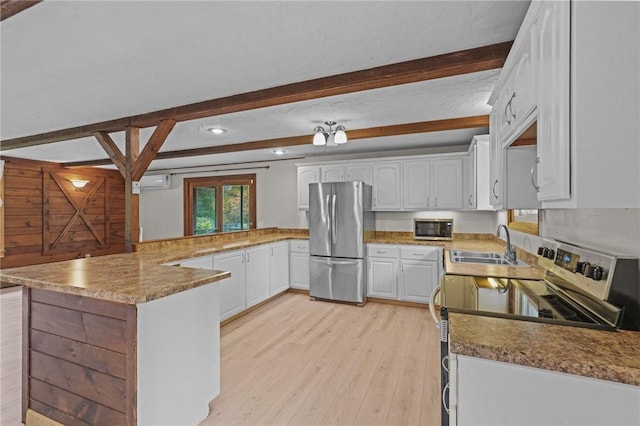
[119, 340]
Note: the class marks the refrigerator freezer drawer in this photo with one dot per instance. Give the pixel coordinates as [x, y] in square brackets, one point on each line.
[337, 279]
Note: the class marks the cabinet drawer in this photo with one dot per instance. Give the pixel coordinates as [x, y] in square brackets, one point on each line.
[299, 246]
[382, 250]
[421, 253]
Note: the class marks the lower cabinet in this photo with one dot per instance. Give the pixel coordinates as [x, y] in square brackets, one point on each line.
[477, 396]
[417, 279]
[403, 272]
[232, 289]
[299, 264]
[256, 274]
[279, 267]
[257, 286]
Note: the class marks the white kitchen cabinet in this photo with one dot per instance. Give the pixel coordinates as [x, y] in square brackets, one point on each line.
[336, 173]
[476, 177]
[278, 267]
[551, 35]
[202, 262]
[382, 266]
[416, 187]
[420, 270]
[432, 184]
[519, 190]
[496, 163]
[523, 102]
[447, 183]
[299, 264]
[387, 186]
[306, 176]
[232, 289]
[403, 272]
[479, 398]
[359, 172]
[257, 286]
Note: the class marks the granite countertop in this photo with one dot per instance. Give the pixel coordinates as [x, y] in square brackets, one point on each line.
[125, 278]
[606, 355]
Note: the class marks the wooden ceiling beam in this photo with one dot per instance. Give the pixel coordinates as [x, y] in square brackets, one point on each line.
[115, 155]
[440, 66]
[152, 147]
[372, 132]
[8, 8]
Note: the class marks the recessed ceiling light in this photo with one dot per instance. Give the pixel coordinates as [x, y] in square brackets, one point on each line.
[278, 151]
[216, 130]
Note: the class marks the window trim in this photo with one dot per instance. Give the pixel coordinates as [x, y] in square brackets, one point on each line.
[218, 181]
[532, 228]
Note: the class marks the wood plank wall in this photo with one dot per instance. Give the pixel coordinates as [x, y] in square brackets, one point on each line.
[79, 359]
[47, 219]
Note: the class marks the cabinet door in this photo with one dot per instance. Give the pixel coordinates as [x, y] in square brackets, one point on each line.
[306, 175]
[333, 174]
[483, 174]
[279, 267]
[469, 179]
[359, 172]
[551, 47]
[203, 262]
[299, 270]
[386, 186]
[496, 162]
[383, 278]
[416, 184]
[447, 183]
[524, 80]
[257, 275]
[232, 289]
[417, 280]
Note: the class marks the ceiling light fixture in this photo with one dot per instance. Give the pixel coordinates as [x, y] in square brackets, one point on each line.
[331, 137]
[278, 151]
[78, 183]
[216, 130]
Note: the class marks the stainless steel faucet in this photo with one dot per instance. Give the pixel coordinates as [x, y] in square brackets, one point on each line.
[510, 252]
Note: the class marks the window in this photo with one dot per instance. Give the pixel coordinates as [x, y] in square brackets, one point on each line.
[524, 221]
[219, 204]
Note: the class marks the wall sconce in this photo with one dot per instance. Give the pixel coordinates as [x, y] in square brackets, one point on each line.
[78, 183]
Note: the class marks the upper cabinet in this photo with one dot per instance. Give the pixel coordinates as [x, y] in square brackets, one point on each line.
[476, 177]
[420, 182]
[550, 33]
[306, 176]
[387, 186]
[566, 75]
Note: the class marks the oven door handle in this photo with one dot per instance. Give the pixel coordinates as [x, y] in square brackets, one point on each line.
[432, 308]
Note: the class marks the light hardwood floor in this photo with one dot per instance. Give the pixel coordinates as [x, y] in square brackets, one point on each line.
[297, 362]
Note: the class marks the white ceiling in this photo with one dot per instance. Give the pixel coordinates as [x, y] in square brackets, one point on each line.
[66, 63]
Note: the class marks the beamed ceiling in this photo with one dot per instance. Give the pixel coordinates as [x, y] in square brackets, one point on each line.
[398, 75]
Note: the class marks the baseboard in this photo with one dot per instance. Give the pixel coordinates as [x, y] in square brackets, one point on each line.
[398, 302]
[253, 308]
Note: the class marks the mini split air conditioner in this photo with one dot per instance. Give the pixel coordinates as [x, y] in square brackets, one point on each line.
[155, 182]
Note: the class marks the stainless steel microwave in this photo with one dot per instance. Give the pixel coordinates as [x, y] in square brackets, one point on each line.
[433, 229]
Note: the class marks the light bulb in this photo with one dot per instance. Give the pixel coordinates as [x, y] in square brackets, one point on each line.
[340, 136]
[318, 138]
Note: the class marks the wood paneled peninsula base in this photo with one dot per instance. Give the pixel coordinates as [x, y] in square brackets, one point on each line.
[95, 352]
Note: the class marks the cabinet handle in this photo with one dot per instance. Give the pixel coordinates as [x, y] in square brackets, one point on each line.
[506, 116]
[511, 105]
[242, 257]
[418, 254]
[533, 168]
[381, 252]
[470, 199]
[445, 399]
[248, 257]
[271, 251]
[493, 189]
[436, 202]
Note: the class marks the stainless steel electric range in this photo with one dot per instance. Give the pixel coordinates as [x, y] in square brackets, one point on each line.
[582, 288]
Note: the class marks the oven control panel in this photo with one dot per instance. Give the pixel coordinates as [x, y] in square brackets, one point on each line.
[567, 260]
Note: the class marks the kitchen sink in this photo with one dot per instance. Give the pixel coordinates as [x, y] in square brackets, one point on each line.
[481, 257]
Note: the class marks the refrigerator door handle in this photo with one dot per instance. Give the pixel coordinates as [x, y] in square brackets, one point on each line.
[334, 236]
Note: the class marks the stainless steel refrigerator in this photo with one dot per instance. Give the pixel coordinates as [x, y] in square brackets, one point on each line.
[339, 217]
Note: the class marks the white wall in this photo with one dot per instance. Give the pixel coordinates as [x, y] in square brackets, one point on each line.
[161, 210]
